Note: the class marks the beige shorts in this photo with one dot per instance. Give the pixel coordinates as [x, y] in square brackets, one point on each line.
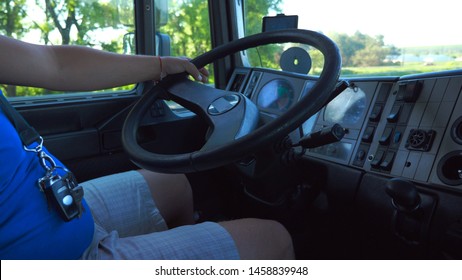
[128, 225]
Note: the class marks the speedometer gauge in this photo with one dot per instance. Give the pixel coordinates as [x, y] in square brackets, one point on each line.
[277, 94]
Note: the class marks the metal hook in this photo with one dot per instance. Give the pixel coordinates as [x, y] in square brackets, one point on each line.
[44, 158]
[36, 149]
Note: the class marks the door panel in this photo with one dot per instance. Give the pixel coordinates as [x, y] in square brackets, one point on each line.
[85, 135]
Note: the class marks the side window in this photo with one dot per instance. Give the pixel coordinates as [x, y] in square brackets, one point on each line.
[101, 24]
[186, 27]
[183, 29]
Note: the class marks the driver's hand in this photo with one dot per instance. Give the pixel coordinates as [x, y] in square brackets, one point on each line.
[174, 65]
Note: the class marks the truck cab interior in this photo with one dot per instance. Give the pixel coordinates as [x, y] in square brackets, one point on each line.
[356, 165]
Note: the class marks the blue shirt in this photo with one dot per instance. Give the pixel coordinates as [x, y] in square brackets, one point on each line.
[28, 229]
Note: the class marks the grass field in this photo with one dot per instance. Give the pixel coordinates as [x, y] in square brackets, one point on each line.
[407, 69]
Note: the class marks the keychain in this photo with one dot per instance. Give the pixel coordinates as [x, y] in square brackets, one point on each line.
[61, 192]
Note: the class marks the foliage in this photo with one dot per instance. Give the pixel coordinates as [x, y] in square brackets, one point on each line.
[84, 16]
[188, 27]
[362, 50]
[11, 13]
[255, 10]
[399, 70]
[187, 19]
[317, 61]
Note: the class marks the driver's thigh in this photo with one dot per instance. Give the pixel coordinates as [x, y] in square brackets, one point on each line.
[260, 239]
[172, 195]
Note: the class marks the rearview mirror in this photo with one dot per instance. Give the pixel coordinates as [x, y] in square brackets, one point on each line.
[161, 13]
[129, 43]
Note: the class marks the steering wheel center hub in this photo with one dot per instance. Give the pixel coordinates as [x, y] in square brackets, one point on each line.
[223, 104]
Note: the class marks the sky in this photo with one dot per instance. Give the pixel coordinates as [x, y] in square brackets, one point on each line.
[404, 23]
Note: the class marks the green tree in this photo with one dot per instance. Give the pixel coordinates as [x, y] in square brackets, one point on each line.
[11, 15]
[317, 61]
[372, 53]
[255, 10]
[67, 9]
[362, 50]
[84, 17]
[75, 20]
[188, 27]
[348, 46]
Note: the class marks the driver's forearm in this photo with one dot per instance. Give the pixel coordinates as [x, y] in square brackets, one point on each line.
[82, 68]
[72, 68]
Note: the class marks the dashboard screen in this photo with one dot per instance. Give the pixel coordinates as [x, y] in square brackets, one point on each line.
[347, 108]
[277, 94]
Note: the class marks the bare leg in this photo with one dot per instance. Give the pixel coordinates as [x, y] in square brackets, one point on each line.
[260, 239]
[254, 238]
[173, 196]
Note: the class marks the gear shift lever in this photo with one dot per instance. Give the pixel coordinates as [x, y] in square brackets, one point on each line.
[409, 216]
[404, 195]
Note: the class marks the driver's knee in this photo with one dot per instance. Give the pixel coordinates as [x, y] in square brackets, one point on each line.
[172, 195]
[260, 239]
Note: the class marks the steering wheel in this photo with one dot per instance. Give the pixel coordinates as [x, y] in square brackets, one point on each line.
[232, 117]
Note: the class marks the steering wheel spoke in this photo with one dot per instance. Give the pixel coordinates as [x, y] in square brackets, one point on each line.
[189, 94]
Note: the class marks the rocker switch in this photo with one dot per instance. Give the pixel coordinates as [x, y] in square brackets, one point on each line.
[386, 136]
[394, 114]
[377, 159]
[368, 134]
[376, 113]
[387, 162]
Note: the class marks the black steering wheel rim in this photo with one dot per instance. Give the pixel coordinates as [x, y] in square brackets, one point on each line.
[239, 148]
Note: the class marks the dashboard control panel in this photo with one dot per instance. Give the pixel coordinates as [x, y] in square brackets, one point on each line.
[408, 127]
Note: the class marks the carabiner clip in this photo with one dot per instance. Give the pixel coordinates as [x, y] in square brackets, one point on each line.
[37, 149]
[44, 159]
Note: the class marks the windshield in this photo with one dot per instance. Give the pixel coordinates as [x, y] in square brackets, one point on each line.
[375, 38]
